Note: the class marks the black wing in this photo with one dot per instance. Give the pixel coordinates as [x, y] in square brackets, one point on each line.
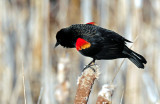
[112, 45]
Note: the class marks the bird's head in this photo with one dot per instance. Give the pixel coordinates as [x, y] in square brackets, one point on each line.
[65, 38]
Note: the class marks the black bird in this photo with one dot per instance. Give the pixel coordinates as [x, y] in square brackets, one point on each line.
[98, 43]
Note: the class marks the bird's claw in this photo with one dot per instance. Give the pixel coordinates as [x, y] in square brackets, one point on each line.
[89, 66]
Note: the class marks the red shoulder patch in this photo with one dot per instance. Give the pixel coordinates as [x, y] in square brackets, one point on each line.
[92, 23]
[82, 44]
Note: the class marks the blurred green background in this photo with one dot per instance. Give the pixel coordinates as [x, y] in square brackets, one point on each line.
[29, 63]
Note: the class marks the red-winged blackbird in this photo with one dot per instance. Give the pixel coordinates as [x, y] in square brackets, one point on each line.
[98, 43]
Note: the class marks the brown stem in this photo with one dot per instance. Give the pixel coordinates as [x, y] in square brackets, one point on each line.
[85, 82]
[104, 96]
[102, 100]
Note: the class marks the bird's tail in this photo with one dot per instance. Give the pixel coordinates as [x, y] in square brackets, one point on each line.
[136, 58]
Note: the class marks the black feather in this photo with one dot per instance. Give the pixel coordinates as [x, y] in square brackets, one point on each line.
[136, 58]
[105, 44]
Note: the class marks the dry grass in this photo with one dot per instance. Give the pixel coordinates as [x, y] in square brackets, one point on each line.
[24, 88]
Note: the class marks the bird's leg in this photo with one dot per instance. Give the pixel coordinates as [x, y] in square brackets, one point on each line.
[90, 64]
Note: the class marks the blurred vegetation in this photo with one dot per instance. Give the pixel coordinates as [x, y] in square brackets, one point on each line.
[27, 38]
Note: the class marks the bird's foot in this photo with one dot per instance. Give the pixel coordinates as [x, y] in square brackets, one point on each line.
[89, 66]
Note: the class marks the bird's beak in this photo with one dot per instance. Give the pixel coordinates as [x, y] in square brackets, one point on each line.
[56, 44]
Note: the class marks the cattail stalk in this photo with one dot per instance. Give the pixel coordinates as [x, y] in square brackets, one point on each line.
[85, 83]
[105, 95]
